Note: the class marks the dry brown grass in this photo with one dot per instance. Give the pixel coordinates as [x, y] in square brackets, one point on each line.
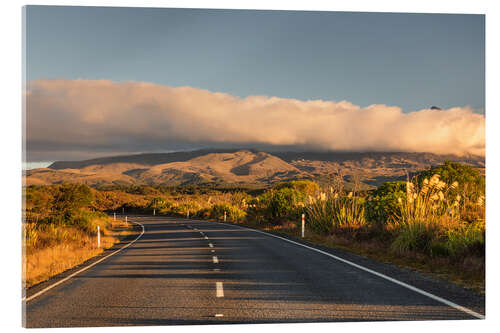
[59, 249]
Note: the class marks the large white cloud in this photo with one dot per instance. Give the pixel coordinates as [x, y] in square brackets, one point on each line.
[83, 115]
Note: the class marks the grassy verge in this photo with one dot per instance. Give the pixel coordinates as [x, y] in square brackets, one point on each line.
[468, 272]
[58, 248]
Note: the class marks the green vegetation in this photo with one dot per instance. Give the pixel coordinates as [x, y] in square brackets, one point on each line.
[59, 229]
[382, 204]
[438, 215]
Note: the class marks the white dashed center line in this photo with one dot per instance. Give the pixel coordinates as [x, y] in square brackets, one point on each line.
[210, 244]
[219, 289]
[215, 259]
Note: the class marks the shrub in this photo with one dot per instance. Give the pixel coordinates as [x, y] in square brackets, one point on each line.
[383, 203]
[470, 187]
[233, 213]
[158, 203]
[285, 203]
[308, 187]
[277, 204]
[72, 197]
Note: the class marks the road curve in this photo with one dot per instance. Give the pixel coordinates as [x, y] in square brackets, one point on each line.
[197, 272]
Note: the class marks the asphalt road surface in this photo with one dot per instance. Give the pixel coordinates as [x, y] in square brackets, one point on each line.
[196, 272]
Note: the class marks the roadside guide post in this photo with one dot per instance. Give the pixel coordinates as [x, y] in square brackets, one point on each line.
[154, 211]
[224, 216]
[303, 218]
[188, 214]
[126, 221]
[98, 237]
[114, 216]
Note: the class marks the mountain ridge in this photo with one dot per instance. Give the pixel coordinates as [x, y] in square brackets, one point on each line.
[240, 166]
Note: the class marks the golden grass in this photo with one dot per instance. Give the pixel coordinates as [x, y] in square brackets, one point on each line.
[52, 256]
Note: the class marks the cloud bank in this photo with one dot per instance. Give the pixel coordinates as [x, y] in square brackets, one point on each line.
[97, 116]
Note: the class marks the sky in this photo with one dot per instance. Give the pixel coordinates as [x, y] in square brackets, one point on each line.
[313, 80]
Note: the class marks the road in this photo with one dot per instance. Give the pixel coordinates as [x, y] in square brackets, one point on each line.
[196, 272]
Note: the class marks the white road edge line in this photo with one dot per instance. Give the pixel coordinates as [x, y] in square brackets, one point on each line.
[388, 278]
[83, 269]
[215, 259]
[219, 289]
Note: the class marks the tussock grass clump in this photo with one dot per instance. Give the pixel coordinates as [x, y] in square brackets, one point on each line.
[333, 211]
[58, 249]
[429, 221]
[50, 249]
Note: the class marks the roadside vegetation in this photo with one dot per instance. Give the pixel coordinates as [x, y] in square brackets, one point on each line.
[60, 230]
[433, 222]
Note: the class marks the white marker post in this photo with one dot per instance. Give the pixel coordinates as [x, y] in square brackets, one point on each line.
[98, 237]
[114, 216]
[188, 214]
[126, 221]
[154, 211]
[303, 224]
[224, 216]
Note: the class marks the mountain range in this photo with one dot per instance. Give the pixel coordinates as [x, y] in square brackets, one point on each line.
[244, 167]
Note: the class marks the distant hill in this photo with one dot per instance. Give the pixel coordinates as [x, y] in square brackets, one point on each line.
[242, 167]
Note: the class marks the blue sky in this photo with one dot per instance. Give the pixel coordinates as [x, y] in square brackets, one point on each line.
[408, 60]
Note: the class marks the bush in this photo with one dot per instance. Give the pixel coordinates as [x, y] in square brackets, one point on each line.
[308, 187]
[277, 204]
[233, 213]
[470, 186]
[469, 179]
[71, 198]
[158, 203]
[383, 203]
[284, 203]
